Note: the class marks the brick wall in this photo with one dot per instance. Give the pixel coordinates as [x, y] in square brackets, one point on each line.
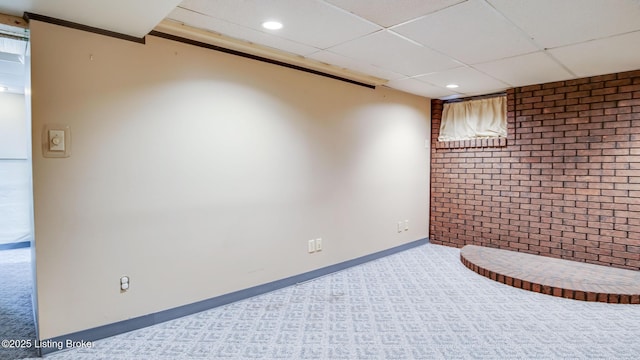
[566, 184]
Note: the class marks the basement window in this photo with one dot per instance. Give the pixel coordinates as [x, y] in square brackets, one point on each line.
[476, 119]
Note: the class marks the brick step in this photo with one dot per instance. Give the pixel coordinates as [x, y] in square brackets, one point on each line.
[551, 276]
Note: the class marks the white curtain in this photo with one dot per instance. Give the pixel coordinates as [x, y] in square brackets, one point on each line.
[474, 119]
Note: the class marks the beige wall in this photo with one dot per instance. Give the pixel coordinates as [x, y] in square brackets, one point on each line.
[199, 173]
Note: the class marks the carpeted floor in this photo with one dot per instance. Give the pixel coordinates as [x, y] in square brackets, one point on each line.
[418, 304]
[16, 315]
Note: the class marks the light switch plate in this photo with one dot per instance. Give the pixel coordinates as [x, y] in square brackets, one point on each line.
[56, 141]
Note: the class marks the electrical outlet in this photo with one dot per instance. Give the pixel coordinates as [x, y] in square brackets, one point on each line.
[319, 244]
[124, 283]
[311, 246]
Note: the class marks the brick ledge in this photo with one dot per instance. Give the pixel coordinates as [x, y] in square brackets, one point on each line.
[556, 277]
[475, 143]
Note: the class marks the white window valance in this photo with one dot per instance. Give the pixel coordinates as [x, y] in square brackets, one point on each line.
[474, 119]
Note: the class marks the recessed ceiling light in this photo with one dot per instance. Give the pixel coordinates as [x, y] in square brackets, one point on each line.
[272, 25]
[452, 86]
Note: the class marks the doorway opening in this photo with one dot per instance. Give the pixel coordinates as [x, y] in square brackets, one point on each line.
[17, 317]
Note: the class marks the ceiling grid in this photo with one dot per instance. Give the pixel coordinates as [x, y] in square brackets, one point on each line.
[415, 46]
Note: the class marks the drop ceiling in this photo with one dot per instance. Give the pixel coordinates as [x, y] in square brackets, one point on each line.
[417, 46]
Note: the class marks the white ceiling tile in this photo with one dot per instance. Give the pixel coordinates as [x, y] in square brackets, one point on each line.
[387, 50]
[614, 54]
[226, 28]
[132, 17]
[535, 68]
[419, 88]
[553, 23]
[314, 23]
[469, 80]
[354, 65]
[388, 13]
[471, 32]
[502, 39]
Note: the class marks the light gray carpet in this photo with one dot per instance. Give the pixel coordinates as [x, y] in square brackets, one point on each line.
[16, 315]
[418, 304]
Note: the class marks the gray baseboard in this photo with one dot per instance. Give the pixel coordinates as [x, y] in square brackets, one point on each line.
[15, 245]
[101, 332]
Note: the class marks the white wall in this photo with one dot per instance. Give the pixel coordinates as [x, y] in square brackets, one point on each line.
[199, 173]
[13, 126]
[15, 186]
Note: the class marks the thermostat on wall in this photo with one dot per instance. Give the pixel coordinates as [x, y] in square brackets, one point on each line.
[56, 141]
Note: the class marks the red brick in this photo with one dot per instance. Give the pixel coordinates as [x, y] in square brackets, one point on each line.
[604, 91]
[629, 88]
[576, 147]
[618, 96]
[633, 102]
[591, 99]
[578, 94]
[606, 77]
[629, 74]
[619, 82]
